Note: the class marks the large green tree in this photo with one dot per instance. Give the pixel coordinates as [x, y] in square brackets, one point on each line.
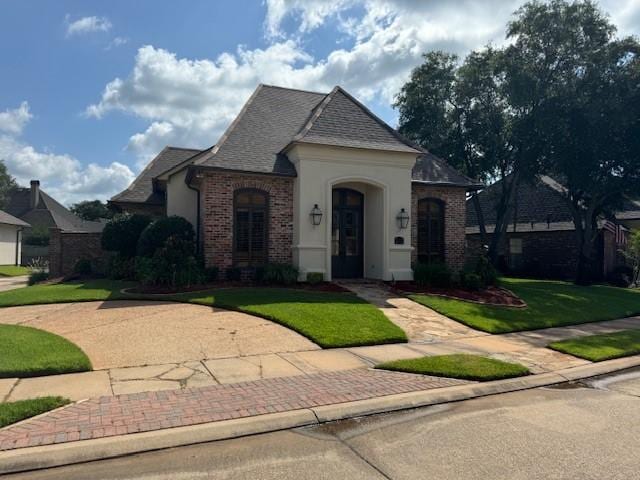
[92, 210]
[460, 113]
[7, 183]
[577, 88]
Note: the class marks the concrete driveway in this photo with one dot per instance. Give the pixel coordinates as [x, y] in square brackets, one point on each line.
[10, 283]
[133, 333]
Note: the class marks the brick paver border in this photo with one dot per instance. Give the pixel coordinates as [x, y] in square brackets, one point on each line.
[142, 412]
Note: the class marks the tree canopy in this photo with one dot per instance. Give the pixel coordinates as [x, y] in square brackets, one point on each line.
[92, 210]
[7, 183]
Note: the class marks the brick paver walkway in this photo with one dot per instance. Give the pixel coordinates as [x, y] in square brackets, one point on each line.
[140, 412]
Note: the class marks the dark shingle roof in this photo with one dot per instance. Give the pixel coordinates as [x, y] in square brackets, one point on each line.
[8, 219]
[141, 189]
[538, 201]
[263, 128]
[342, 121]
[47, 213]
[432, 170]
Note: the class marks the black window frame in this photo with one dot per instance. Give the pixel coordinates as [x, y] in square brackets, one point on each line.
[250, 259]
[423, 247]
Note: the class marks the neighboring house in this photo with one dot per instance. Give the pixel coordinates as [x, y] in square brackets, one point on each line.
[315, 180]
[10, 238]
[42, 212]
[540, 239]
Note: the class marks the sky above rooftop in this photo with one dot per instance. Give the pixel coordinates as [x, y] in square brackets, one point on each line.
[91, 90]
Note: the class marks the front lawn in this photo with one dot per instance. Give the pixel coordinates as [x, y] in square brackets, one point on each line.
[549, 304]
[328, 319]
[13, 271]
[29, 352]
[601, 347]
[12, 412]
[462, 366]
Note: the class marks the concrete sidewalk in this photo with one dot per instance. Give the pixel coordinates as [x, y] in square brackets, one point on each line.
[11, 283]
[526, 348]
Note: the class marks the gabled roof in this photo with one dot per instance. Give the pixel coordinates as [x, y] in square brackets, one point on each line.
[432, 170]
[8, 219]
[141, 189]
[341, 120]
[264, 127]
[47, 213]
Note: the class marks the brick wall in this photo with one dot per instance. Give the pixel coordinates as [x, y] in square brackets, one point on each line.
[454, 221]
[66, 248]
[216, 209]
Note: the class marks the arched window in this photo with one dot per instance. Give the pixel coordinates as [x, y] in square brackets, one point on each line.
[250, 218]
[430, 230]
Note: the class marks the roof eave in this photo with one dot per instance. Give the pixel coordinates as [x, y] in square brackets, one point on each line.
[468, 186]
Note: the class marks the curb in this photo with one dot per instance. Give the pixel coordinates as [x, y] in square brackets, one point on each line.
[36, 458]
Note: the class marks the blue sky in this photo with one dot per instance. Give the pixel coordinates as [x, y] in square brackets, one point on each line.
[91, 90]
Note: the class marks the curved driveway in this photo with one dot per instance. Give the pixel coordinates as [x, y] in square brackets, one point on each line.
[133, 333]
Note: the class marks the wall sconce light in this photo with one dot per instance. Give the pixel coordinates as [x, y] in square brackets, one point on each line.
[403, 219]
[316, 215]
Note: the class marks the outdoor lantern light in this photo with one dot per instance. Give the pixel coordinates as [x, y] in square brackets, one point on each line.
[403, 219]
[316, 215]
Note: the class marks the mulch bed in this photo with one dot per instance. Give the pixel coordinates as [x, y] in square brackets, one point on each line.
[163, 290]
[488, 296]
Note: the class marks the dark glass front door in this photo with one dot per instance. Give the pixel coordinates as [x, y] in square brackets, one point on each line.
[347, 234]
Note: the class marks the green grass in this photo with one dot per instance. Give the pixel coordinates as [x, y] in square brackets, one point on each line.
[13, 271]
[13, 412]
[463, 366]
[601, 347]
[328, 319]
[29, 352]
[549, 304]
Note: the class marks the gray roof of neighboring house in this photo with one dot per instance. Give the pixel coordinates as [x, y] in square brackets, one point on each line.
[432, 170]
[8, 219]
[141, 189]
[48, 213]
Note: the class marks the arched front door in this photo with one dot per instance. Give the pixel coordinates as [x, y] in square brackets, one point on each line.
[347, 234]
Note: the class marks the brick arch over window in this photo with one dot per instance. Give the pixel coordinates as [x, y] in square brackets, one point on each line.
[431, 229]
[250, 227]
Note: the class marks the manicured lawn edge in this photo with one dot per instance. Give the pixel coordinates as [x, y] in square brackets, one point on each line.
[549, 304]
[30, 352]
[13, 271]
[12, 412]
[598, 348]
[461, 366]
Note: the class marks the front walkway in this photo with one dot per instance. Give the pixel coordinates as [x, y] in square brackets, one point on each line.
[11, 283]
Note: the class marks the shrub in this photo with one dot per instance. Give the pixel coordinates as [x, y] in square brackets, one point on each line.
[314, 278]
[156, 234]
[471, 281]
[83, 267]
[278, 273]
[211, 274]
[233, 274]
[171, 265]
[37, 276]
[621, 276]
[121, 268]
[486, 271]
[122, 232]
[432, 275]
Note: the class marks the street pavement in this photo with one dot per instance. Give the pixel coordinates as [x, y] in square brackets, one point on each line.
[588, 430]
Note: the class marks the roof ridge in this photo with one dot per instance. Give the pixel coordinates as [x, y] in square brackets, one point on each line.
[293, 89]
[315, 113]
[183, 163]
[140, 175]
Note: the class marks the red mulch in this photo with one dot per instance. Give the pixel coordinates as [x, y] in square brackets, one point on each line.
[161, 289]
[490, 295]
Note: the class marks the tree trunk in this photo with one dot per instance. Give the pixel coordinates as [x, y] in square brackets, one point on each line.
[586, 228]
[502, 213]
[480, 216]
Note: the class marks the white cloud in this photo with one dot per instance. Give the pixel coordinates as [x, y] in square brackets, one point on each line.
[88, 25]
[117, 42]
[63, 176]
[189, 102]
[14, 121]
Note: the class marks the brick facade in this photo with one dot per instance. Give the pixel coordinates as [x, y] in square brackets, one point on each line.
[66, 248]
[454, 221]
[216, 197]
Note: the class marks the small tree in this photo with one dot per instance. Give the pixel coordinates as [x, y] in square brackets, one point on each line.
[122, 232]
[156, 234]
[92, 210]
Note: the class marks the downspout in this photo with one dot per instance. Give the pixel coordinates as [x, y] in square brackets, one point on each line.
[197, 190]
[18, 241]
